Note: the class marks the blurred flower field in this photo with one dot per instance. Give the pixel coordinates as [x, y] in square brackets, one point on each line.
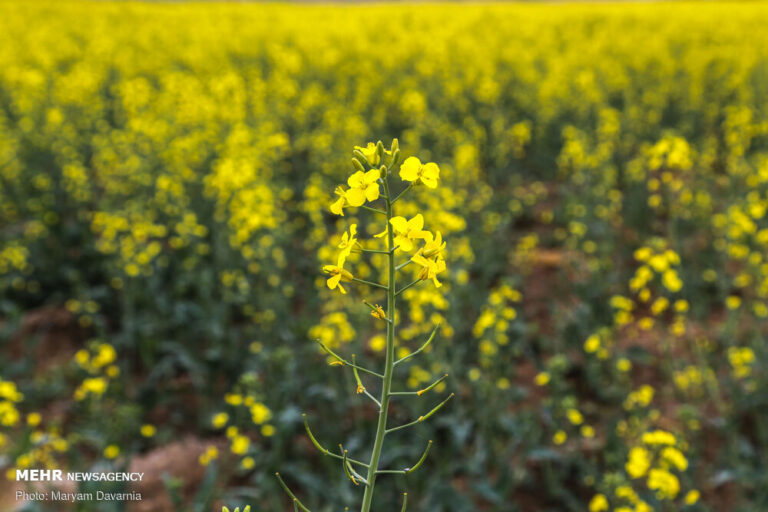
[165, 188]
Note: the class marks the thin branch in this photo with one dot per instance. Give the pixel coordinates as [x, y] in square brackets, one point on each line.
[421, 418]
[405, 501]
[343, 361]
[374, 251]
[411, 469]
[421, 391]
[401, 290]
[360, 387]
[401, 194]
[421, 460]
[420, 349]
[369, 283]
[403, 265]
[353, 475]
[322, 449]
[296, 501]
[374, 210]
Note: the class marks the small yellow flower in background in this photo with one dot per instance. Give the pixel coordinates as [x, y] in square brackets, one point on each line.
[105, 355]
[231, 431]
[220, 419]
[412, 170]
[542, 378]
[623, 365]
[659, 437]
[692, 497]
[377, 343]
[675, 457]
[587, 431]
[260, 413]
[268, 430]
[733, 302]
[247, 463]
[148, 430]
[210, 454]
[362, 186]
[574, 416]
[638, 463]
[406, 231]
[592, 344]
[671, 281]
[560, 437]
[111, 451]
[598, 503]
[113, 371]
[233, 399]
[34, 419]
[666, 485]
[240, 445]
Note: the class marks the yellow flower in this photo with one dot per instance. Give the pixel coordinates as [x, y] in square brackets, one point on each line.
[598, 503]
[210, 454]
[406, 231]
[733, 302]
[412, 170]
[692, 497]
[433, 246]
[240, 445]
[638, 463]
[247, 463]
[267, 430]
[378, 312]
[560, 437]
[362, 186]
[337, 207]
[664, 483]
[220, 419]
[148, 430]
[338, 274]
[111, 451]
[34, 419]
[432, 267]
[588, 431]
[574, 416]
[348, 240]
[260, 413]
[592, 344]
[370, 153]
[542, 379]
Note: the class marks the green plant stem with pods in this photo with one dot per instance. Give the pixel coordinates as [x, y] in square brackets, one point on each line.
[401, 235]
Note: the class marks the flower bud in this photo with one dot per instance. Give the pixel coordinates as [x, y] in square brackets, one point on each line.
[346, 275]
[358, 166]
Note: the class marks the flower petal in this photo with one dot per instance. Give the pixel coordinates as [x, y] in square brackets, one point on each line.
[372, 192]
[409, 170]
[399, 223]
[355, 197]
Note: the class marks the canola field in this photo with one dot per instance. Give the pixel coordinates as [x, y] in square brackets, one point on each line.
[166, 178]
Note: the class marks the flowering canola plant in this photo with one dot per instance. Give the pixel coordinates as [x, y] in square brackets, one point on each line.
[406, 242]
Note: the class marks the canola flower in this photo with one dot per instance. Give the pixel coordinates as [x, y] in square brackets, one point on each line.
[372, 181]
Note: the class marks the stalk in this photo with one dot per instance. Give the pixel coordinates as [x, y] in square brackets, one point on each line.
[381, 428]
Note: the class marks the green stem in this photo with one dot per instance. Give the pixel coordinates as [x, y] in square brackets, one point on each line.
[381, 427]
